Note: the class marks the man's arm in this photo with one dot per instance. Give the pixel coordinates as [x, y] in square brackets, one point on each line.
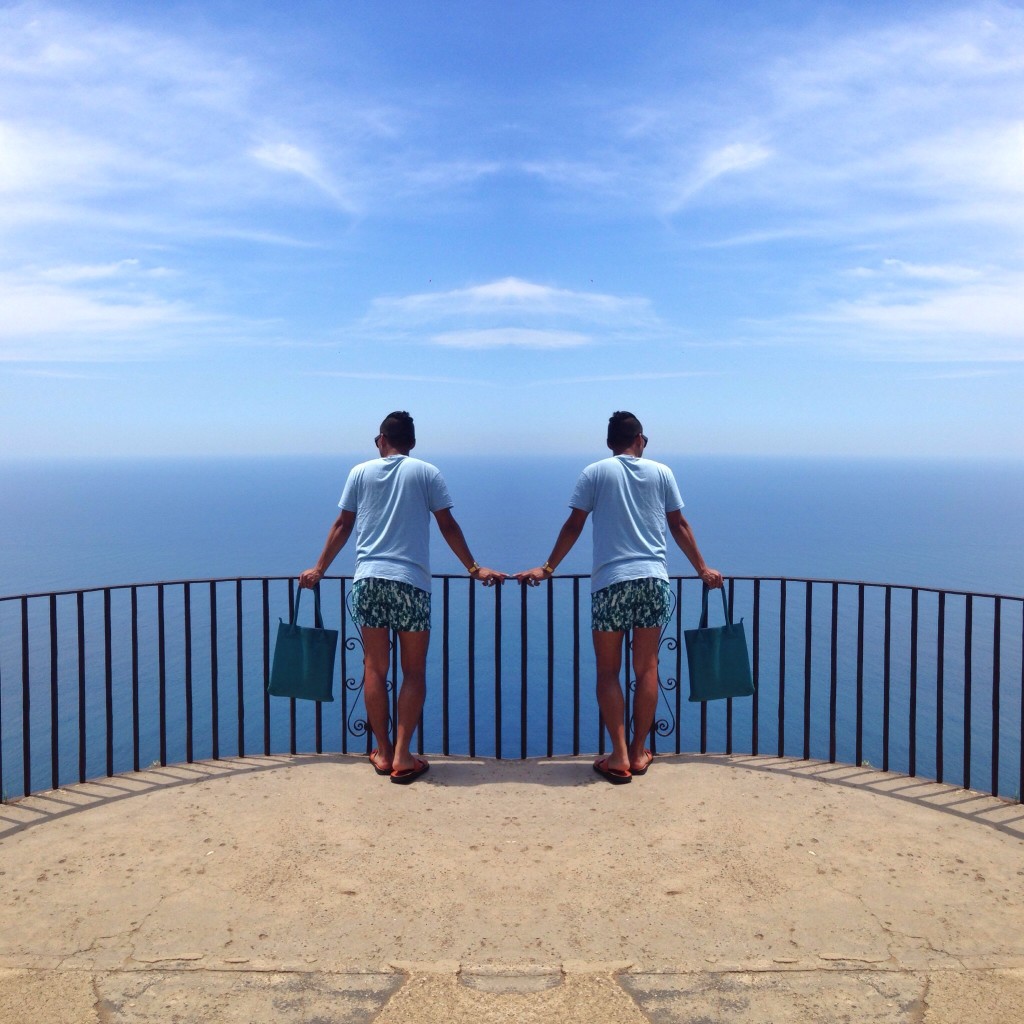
[337, 537]
[683, 536]
[567, 536]
[452, 533]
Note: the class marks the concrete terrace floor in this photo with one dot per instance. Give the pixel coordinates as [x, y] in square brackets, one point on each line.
[308, 889]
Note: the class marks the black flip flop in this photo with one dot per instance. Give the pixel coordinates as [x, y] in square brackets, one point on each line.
[407, 775]
[616, 776]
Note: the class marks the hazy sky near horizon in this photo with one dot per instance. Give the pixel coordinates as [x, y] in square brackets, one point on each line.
[775, 228]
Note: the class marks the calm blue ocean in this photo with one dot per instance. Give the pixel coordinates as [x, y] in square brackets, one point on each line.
[950, 524]
[80, 524]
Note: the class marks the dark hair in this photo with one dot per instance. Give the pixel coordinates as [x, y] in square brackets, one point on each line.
[622, 429]
[398, 428]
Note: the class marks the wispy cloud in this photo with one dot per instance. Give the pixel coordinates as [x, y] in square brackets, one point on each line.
[32, 371]
[398, 377]
[512, 313]
[182, 130]
[991, 310]
[511, 337]
[91, 108]
[931, 312]
[934, 272]
[926, 140]
[103, 272]
[88, 313]
[515, 295]
[906, 139]
[734, 158]
[617, 378]
[578, 175]
[963, 374]
[116, 140]
[289, 158]
[914, 123]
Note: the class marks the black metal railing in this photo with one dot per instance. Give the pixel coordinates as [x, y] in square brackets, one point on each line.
[100, 681]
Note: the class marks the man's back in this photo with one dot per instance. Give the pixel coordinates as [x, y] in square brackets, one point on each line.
[393, 498]
[629, 498]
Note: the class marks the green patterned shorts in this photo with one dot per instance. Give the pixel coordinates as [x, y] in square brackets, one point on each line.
[631, 604]
[389, 604]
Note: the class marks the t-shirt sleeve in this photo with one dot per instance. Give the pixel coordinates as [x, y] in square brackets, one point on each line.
[583, 493]
[437, 492]
[350, 493]
[673, 499]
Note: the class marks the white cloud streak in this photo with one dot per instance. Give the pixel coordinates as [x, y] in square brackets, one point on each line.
[916, 123]
[512, 313]
[103, 271]
[288, 158]
[511, 337]
[931, 312]
[992, 310]
[733, 159]
[512, 294]
[951, 274]
[400, 378]
[43, 323]
[625, 378]
[89, 312]
[94, 112]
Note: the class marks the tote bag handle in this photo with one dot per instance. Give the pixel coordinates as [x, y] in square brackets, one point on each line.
[703, 624]
[318, 619]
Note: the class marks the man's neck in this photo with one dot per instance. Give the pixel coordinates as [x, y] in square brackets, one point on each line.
[634, 451]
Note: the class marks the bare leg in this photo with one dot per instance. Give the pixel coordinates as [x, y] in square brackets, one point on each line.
[645, 704]
[376, 663]
[608, 651]
[413, 648]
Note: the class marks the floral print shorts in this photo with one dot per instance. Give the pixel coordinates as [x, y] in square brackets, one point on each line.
[631, 604]
[390, 604]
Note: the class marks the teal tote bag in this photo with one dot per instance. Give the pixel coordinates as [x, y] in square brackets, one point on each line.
[304, 657]
[717, 657]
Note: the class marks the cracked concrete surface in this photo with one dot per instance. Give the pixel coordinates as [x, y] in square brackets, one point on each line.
[307, 888]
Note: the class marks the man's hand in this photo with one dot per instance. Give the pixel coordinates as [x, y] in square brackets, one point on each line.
[712, 578]
[533, 577]
[488, 577]
[310, 578]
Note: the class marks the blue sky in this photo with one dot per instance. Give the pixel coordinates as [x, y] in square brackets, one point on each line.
[774, 228]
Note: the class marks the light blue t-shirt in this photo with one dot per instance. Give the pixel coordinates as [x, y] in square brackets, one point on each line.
[393, 499]
[629, 499]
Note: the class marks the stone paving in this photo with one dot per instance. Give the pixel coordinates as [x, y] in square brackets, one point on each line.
[307, 889]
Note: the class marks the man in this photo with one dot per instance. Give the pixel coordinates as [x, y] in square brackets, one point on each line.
[389, 500]
[633, 500]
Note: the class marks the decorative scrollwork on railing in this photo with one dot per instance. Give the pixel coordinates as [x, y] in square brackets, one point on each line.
[663, 726]
[669, 642]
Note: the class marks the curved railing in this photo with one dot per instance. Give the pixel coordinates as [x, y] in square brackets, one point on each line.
[100, 681]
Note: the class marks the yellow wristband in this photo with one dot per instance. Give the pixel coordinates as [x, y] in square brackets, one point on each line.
[473, 568]
[546, 567]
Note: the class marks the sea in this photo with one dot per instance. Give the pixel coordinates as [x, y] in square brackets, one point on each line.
[67, 525]
[943, 523]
